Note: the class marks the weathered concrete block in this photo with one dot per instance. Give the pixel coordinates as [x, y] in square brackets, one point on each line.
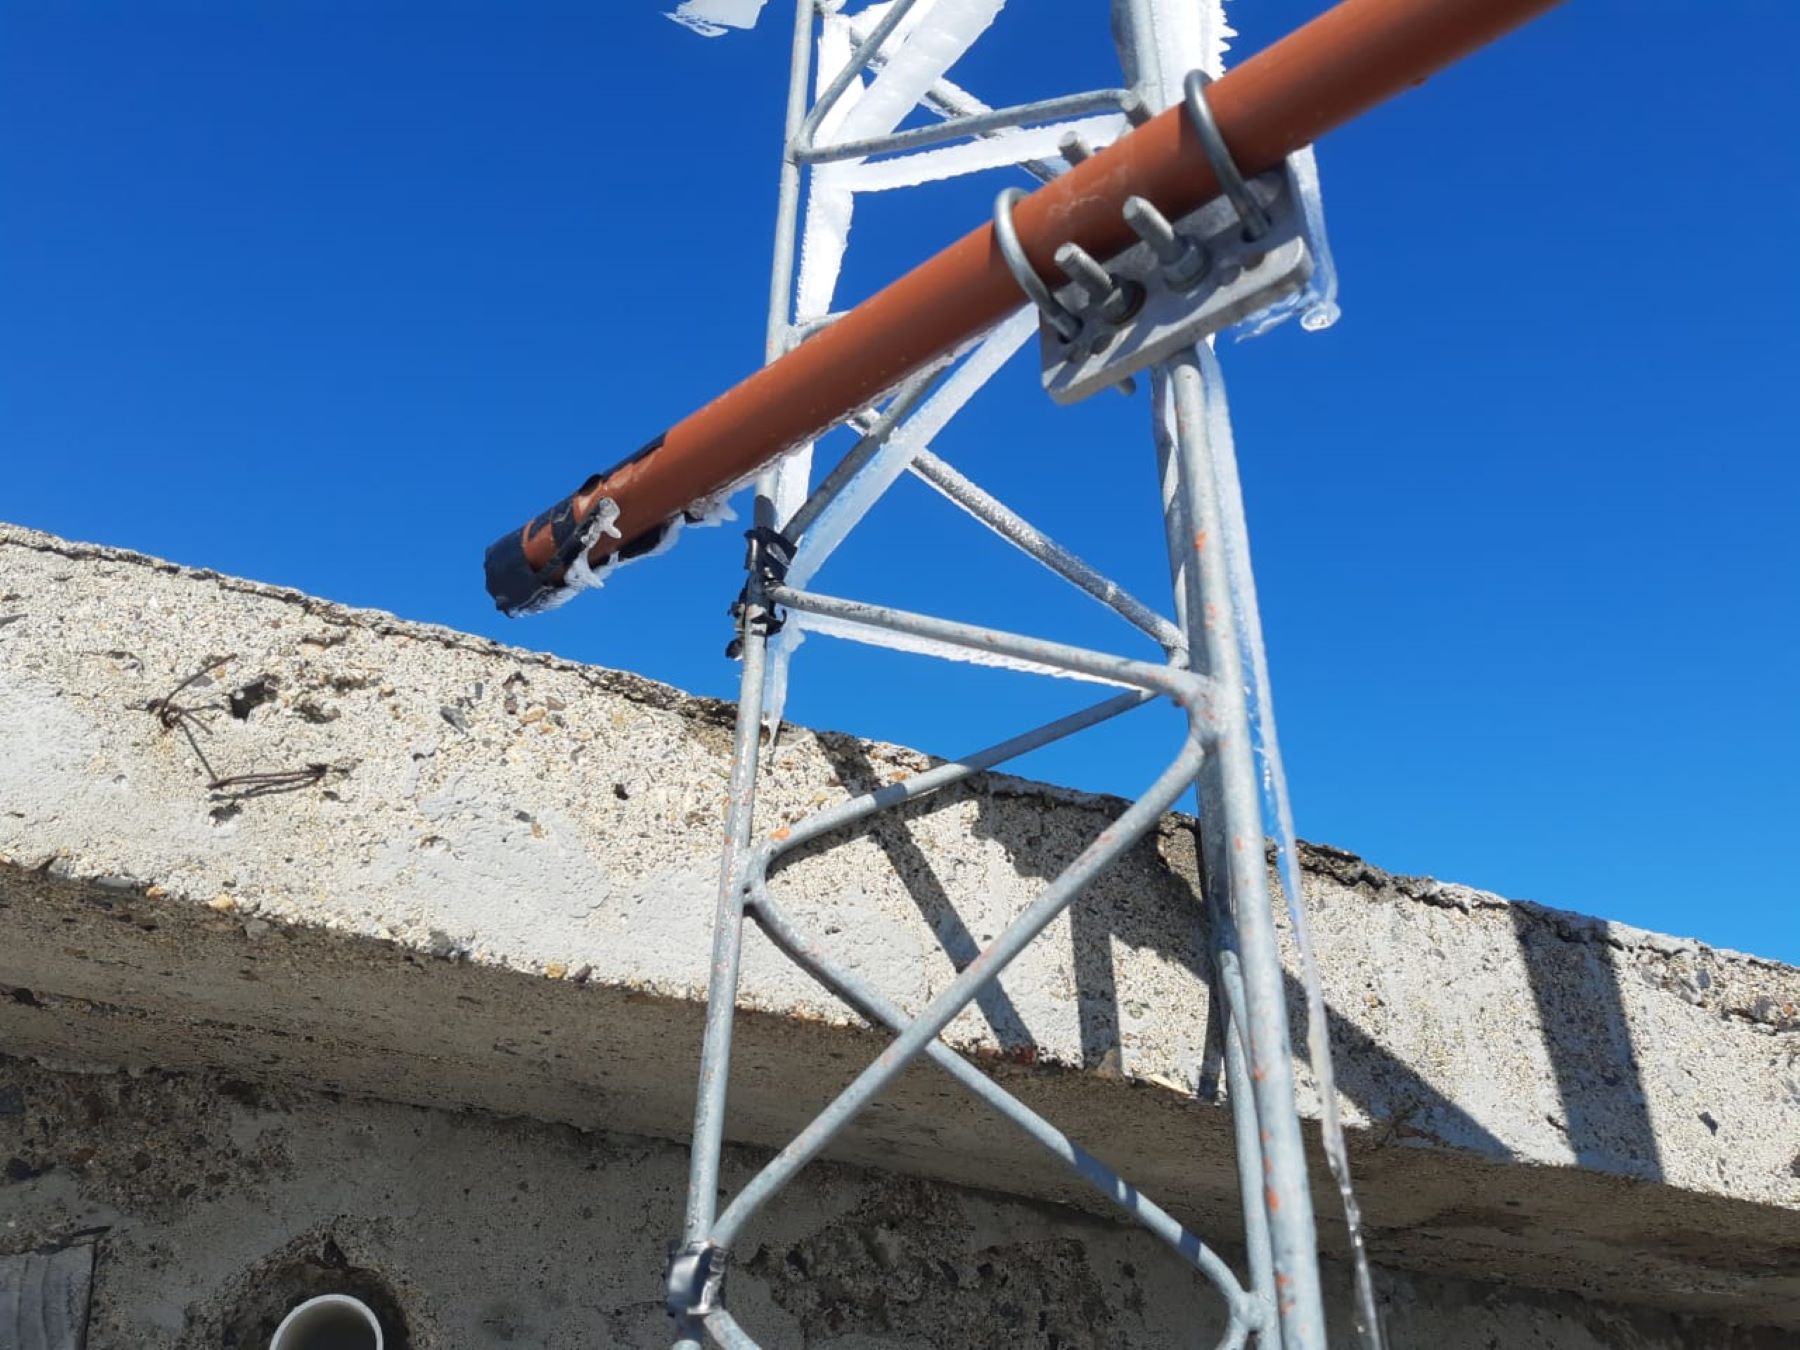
[496, 893]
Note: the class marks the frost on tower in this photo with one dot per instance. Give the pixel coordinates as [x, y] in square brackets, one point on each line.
[1123, 265]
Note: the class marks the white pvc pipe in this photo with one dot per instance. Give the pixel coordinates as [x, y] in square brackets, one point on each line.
[329, 1322]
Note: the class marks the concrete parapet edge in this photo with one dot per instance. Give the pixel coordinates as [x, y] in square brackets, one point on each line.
[497, 896]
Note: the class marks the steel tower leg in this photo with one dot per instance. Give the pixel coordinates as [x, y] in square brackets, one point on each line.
[1278, 1201]
[1280, 1303]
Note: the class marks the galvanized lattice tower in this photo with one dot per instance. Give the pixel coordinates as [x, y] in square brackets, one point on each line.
[1255, 257]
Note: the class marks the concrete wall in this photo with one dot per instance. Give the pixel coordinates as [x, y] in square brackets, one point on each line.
[221, 1203]
[496, 895]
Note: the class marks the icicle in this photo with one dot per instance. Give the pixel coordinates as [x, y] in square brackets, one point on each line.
[1278, 814]
[1000, 150]
[1316, 302]
[868, 634]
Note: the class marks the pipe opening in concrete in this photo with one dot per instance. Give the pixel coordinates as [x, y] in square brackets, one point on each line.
[329, 1322]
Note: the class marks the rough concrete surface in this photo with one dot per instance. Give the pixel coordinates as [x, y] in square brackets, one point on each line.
[221, 1203]
[497, 892]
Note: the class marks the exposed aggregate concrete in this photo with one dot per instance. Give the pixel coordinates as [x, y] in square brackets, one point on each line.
[216, 1204]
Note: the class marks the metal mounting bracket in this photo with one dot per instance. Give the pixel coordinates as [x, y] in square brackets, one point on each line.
[1198, 274]
[696, 1280]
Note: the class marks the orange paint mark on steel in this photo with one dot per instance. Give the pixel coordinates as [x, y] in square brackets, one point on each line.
[1352, 57]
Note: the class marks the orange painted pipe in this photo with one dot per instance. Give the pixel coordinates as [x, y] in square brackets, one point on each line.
[1352, 57]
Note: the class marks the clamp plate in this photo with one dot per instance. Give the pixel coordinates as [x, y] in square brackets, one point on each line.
[1245, 276]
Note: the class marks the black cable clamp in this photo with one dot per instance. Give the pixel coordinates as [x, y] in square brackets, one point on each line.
[767, 558]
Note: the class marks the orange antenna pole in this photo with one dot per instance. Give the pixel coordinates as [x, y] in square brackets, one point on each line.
[1351, 58]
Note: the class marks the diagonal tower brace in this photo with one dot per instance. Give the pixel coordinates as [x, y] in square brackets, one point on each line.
[1280, 1302]
[1074, 253]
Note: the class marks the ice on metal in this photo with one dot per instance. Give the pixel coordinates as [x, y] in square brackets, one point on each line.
[1278, 815]
[1188, 35]
[829, 202]
[915, 433]
[714, 18]
[1316, 302]
[904, 75]
[711, 512]
[909, 71]
[1000, 150]
[583, 575]
[832, 626]
[887, 464]
[933, 37]
[824, 236]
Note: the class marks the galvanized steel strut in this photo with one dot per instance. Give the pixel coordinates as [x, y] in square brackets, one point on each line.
[1351, 58]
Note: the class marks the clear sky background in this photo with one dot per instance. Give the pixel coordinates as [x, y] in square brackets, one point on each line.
[330, 294]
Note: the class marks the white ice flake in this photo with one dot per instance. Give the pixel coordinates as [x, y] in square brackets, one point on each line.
[1005, 148]
[713, 18]
[832, 626]
[939, 34]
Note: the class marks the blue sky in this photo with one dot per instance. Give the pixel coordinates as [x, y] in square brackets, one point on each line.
[330, 294]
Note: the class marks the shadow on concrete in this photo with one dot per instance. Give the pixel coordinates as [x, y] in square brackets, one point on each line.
[1574, 976]
[1401, 1105]
[1096, 983]
[1575, 982]
[1573, 979]
[889, 830]
[1397, 1099]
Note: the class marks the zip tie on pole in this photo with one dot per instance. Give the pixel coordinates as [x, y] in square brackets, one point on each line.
[767, 558]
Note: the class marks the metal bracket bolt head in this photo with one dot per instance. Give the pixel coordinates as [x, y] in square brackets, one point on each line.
[1113, 298]
[1185, 261]
[1073, 149]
